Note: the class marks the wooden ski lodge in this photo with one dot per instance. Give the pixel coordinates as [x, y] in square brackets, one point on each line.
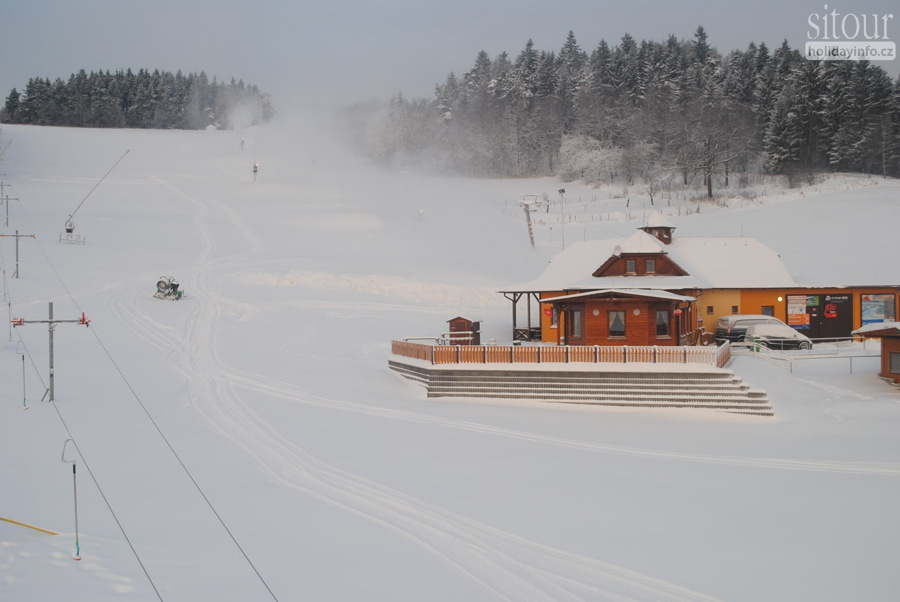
[654, 288]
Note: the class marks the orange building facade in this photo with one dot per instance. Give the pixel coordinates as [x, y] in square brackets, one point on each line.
[818, 312]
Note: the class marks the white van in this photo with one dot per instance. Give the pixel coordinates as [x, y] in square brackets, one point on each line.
[732, 328]
[778, 336]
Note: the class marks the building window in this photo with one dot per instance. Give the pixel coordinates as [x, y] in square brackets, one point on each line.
[895, 362]
[662, 324]
[629, 266]
[734, 309]
[554, 318]
[710, 310]
[768, 310]
[651, 266]
[878, 308]
[617, 324]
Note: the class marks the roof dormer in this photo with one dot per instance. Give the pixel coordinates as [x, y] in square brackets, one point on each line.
[639, 255]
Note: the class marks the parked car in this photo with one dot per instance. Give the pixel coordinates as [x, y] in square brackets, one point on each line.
[777, 336]
[732, 328]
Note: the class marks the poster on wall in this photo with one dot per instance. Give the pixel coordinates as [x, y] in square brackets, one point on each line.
[797, 315]
[878, 308]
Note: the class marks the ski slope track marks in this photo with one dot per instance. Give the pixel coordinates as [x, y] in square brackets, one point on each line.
[503, 565]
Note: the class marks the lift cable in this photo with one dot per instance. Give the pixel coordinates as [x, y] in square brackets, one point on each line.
[109, 171]
[84, 460]
[154, 423]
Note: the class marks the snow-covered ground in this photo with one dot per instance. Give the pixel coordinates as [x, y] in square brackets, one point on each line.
[249, 442]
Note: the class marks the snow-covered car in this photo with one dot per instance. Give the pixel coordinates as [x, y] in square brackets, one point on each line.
[732, 328]
[777, 336]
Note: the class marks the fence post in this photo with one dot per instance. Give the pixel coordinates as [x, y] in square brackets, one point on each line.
[625, 353]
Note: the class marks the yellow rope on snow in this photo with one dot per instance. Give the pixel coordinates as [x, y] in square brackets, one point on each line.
[15, 522]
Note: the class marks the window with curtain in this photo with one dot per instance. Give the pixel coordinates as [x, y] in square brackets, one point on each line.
[617, 324]
[662, 323]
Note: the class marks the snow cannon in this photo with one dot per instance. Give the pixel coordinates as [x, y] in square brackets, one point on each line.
[167, 288]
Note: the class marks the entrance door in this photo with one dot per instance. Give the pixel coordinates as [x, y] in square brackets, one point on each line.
[832, 317]
[575, 325]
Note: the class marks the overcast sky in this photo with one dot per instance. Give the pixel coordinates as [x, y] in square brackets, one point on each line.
[347, 50]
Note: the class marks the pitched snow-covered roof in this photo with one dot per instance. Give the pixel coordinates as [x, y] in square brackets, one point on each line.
[570, 265]
[465, 318]
[731, 262]
[891, 328]
[711, 263]
[641, 242]
[656, 220]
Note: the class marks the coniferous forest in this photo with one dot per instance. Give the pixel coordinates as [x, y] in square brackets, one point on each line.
[145, 99]
[644, 112]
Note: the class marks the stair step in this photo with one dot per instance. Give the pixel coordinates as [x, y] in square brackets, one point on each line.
[551, 384]
[717, 390]
[588, 396]
[680, 399]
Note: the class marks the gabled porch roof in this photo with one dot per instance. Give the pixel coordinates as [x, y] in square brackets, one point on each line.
[631, 292]
[879, 329]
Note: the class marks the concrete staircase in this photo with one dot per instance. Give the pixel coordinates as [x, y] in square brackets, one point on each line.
[715, 389]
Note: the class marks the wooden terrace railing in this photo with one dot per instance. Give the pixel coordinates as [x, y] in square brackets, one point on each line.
[710, 355]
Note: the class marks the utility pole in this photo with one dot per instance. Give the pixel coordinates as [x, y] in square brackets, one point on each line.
[51, 327]
[18, 236]
[562, 198]
[6, 201]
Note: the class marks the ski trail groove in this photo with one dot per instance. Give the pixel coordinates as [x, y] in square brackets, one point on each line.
[297, 394]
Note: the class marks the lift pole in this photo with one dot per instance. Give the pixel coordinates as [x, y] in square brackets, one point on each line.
[51, 327]
[77, 554]
[18, 236]
[6, 199]
[562, 200]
